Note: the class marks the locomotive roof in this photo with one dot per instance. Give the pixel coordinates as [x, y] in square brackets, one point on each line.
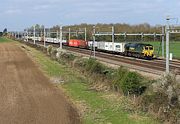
[143, 44]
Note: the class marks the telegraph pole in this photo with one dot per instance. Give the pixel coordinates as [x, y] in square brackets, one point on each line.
[34, 34]
[163, 37]
[125, 36]
[57, 37]
[61, 33]
[113, 37]
[44, 37]
[167, 45]
[142, 36]
[27, 35]
[168, 31]
[57, 34]
[15, 35]
[24, 34]
[76, 33]
[41, 34]
[85, 34]
[94, 38]
[154, 36]
[18, 35]
[69, 33]
[49, 32]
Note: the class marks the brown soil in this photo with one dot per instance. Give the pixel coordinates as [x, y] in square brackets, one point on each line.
[26, 95]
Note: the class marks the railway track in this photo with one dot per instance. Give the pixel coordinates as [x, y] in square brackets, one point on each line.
[156, 66]
[138, 63]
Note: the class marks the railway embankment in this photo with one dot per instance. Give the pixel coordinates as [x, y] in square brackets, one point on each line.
[103, 94]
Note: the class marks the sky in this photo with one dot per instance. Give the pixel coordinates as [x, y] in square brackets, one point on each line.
[17, 15]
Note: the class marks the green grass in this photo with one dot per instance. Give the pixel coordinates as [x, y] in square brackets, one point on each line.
[174, 48]
[3, 40]
[100, 110]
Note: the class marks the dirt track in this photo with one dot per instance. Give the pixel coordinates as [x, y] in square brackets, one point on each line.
[26, 95]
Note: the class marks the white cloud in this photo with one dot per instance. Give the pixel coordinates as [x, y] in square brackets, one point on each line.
[13, 11]
[42, 7]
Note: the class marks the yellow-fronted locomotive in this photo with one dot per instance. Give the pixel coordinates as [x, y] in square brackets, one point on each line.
[139, 50]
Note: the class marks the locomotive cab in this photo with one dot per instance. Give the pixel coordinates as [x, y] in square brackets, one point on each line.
[148, 51]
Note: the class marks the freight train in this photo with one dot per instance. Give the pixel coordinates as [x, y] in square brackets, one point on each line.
[138, 50]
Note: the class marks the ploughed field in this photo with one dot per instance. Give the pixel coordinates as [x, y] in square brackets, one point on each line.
[26, 95]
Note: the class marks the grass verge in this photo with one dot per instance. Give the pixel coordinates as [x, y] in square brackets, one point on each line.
[4, 40]
[96, 107]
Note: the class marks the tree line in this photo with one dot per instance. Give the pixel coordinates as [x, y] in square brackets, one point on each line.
[4, 32]
[118, 28]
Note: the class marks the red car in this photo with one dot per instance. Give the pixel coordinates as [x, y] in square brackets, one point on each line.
[78, 43]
